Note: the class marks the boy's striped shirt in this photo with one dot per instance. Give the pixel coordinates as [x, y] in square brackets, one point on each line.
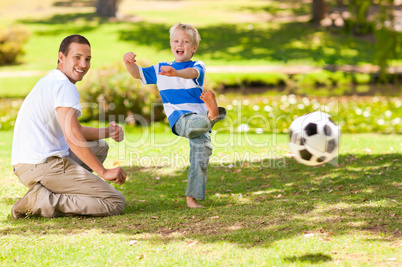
[179, 95]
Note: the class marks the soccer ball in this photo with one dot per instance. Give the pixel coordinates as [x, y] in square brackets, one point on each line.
[314, 138]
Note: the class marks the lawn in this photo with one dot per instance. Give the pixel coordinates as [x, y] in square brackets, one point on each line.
[262, 208]
[235, 33]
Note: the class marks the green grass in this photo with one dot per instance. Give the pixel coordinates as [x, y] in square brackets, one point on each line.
[263, 208]
[233, 33]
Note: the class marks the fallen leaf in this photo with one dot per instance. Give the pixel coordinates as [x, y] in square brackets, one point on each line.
[184, 181]
[155, 217]
[265, 185]
[192, 243]
[250, 178]
[308, 235]
[157, 178]
[397, 244]
[133, 242]
[228, 205]
[149, 189]
[141, 257]
[236, 171]
[391, 259]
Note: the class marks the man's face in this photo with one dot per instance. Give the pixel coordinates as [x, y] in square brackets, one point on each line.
[182, 46]
[77, 62]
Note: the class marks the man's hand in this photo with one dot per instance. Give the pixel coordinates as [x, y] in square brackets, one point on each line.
[116, 132]
[129, 58]
[168, 71]
[117, 175]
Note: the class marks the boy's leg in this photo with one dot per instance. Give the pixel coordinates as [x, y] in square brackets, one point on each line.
[191, 125]
[200, 151]
[209, 99]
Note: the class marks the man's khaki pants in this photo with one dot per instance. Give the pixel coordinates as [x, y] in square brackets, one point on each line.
[70, 188]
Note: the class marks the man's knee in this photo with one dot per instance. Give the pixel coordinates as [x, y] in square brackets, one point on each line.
[119, 203]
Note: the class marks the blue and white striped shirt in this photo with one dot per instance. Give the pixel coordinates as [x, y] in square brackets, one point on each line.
[179, 95]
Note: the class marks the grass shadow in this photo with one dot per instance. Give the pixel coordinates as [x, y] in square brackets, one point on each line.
[252, 206]
[74, 22]
[310, 258]
[277, 43]
[75, 3]
[287, 41]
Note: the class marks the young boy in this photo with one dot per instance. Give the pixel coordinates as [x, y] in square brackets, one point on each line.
[191, 112]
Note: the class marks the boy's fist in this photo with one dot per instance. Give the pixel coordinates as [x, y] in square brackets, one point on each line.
[129, 58]
[168, 71]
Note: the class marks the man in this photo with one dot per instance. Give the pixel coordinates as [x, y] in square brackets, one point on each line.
[54, 155]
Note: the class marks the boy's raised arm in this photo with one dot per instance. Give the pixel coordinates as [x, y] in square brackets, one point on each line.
[189, 73]
[129, 60]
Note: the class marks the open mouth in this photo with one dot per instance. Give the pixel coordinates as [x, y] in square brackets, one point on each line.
[180, 52]
[80, 71]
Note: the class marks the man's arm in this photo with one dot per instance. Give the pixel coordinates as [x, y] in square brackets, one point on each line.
[188, 73]
[129, 60]
[73, 133]
[113, 131]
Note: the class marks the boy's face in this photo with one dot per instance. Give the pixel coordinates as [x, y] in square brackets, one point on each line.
[76, 63]
[182, 46]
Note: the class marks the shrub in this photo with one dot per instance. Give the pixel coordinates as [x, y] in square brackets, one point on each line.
[110, 95]
[8, 113]
[11, 42]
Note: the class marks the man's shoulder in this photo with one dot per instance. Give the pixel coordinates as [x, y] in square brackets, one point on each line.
[58, 79]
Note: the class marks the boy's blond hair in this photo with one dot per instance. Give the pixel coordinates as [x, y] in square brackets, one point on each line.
[187, 28]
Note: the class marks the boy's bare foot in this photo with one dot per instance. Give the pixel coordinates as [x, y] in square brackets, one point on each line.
[209, 99]
[192, 203]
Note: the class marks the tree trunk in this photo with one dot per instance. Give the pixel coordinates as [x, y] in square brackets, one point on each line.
[319, 10]
[106, 8]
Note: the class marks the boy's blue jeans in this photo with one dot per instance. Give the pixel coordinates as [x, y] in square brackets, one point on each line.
[196, 128]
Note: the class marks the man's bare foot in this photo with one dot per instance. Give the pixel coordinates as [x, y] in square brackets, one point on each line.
[192, 203]
[209, 99]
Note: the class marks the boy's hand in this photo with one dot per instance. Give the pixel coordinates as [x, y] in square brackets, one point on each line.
[168, 71]
[129, 58]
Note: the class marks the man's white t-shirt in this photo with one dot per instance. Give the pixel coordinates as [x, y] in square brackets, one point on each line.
[37, 132]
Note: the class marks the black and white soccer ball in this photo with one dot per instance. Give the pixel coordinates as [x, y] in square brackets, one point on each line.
[314, 138]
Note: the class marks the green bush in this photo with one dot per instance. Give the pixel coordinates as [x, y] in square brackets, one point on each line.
[270, 114]
[11, 42]
[113, 95]
[8, 112]
[220, 81]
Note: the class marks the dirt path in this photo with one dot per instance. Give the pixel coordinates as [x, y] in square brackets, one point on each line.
[290, 70]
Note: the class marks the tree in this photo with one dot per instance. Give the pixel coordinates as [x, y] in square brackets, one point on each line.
[319, 9]
[107, 8]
